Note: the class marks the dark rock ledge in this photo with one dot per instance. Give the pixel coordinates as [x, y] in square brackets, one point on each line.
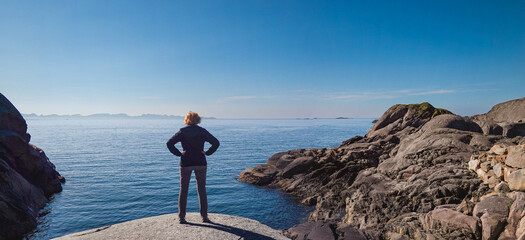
[407, 178]
[27, 177]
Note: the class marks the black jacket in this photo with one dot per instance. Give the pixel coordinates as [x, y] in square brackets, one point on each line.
[192, 138]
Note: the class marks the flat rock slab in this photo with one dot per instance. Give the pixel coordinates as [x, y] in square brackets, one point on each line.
[168, 227]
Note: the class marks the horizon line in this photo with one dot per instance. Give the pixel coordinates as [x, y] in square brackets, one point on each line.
[165, 116]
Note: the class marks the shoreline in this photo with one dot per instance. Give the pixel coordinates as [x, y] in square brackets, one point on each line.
[407, 178]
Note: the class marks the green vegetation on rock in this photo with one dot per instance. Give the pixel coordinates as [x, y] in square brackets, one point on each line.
[426, 108]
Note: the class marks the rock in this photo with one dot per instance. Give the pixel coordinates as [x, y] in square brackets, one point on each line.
[485, 166]
[473, 164]
[349, 233]
[516, 212]
[167, 227]
[466, 207]
[492, 226]
[403, 117]
[11, 119]
[510, 111]
[494, 205]
[299, 165]
[498, 149]
[493, 181]
[259, 175]
[516, 157]
[493, 212]
[396, 236]
[498, 170]
[447, 220]
[453, 122]
[309, 201]
[517, 180]
[27, 177]
[507, 234]
[402, 177]
[483, 175]
[507, 171]
[318, 230]
[520, 229]
[490, 127]
[516, 195]
[514, 129]
[502, 187]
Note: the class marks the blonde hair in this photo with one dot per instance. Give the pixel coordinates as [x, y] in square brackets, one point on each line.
[192, 118]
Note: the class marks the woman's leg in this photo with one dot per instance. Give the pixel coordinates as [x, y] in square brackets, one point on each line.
[185, 175]
[200, 175]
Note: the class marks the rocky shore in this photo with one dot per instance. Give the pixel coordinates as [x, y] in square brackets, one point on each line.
[27, 178]
[409, 177]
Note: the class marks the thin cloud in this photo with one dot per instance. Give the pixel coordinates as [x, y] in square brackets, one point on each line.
[366, 96]
[385, 94]
[241, 98]
[152, 98]
[432, 92]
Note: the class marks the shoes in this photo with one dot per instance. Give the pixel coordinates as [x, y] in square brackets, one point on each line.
[206, 220]
[182, 221]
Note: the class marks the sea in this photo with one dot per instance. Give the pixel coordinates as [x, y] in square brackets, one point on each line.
[118, 170]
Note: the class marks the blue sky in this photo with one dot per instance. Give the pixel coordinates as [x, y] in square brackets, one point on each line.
[260, 59]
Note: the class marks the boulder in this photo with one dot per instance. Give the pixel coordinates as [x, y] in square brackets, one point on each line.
[493, 212]
[447, 220]
[516, 157]
[498, 149]
[510, 111]
[259, 175]
[516, 212]
[502, 187]
[404, 118]
[493, 205]
[473, 164]
[498, 170]
[517, 180]
[492, 226]
[507, 171]
[454, 122]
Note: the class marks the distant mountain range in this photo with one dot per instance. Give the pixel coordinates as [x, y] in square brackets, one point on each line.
[107, 115]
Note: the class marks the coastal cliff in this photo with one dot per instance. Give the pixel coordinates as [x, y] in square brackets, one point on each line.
[407, 178]
[27, 177]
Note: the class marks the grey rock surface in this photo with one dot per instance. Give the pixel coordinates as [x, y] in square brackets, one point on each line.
[224, 227]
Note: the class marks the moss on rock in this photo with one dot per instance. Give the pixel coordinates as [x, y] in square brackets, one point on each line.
[426, 109]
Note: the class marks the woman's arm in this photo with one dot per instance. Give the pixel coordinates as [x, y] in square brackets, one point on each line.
[214, 143]
[171, 144]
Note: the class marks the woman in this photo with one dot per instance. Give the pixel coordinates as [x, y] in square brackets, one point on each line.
[192, 138]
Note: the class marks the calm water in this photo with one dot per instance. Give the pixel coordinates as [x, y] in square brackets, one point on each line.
[119, 170]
